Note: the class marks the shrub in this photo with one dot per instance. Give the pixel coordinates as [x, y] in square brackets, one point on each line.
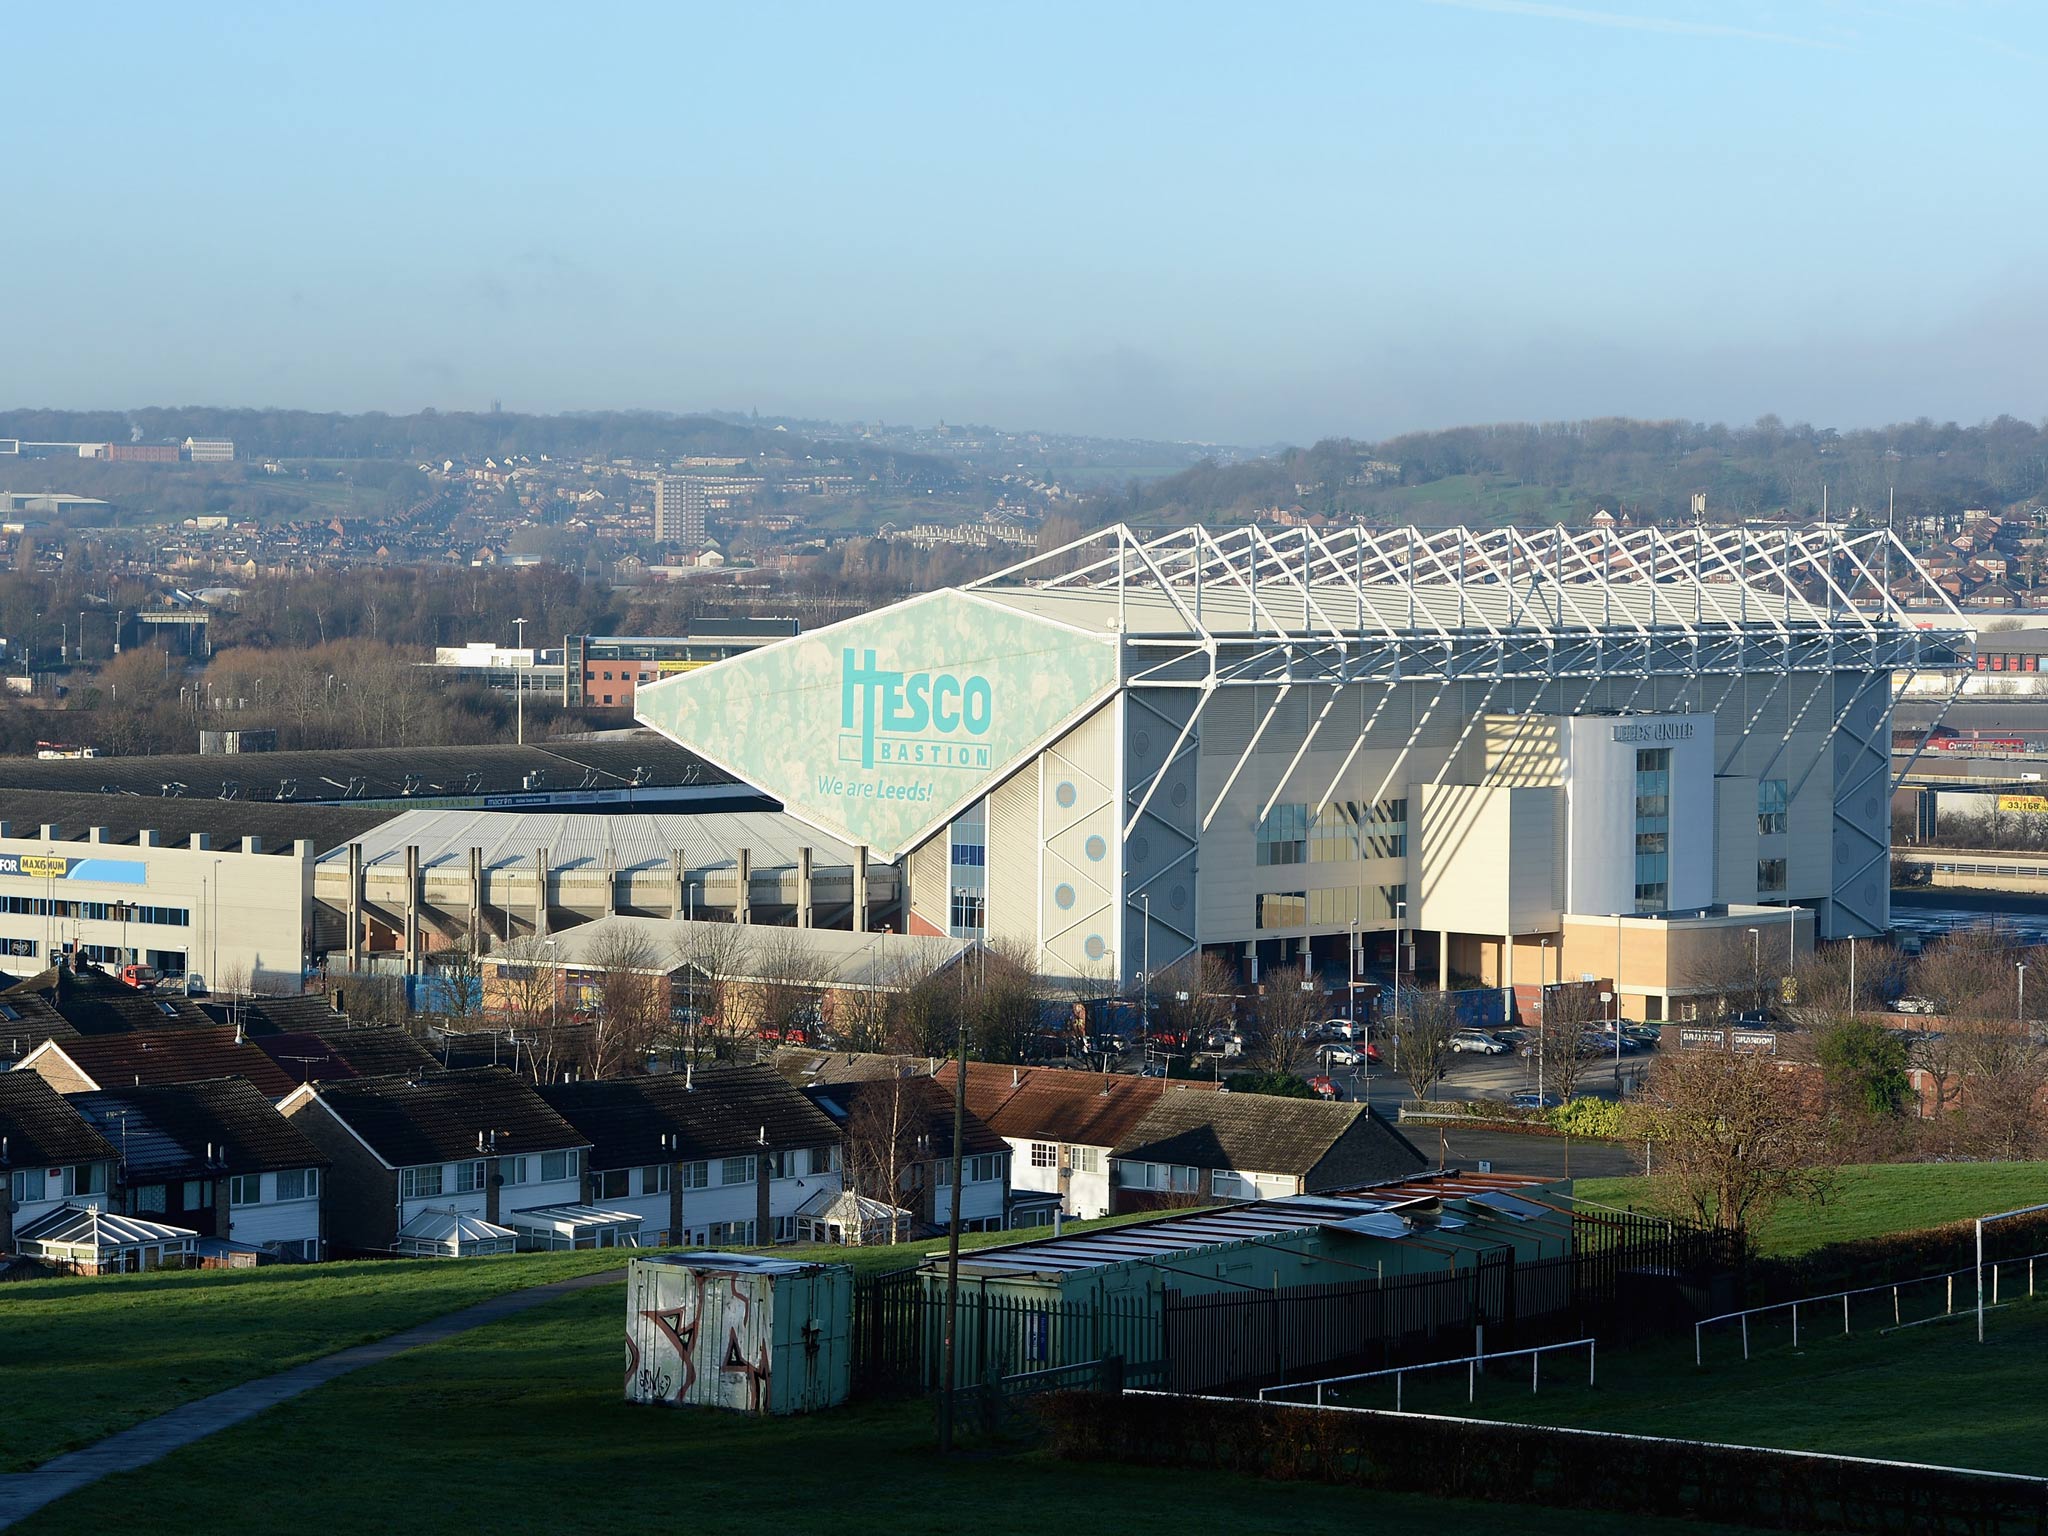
[1589, 1117]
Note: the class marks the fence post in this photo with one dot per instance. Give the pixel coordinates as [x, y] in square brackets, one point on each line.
[1471, 1381]
[1845, 1314]
[1399, 1377]
[1795, 1325]
[1319, 1394]
[1895, 1306]
[1745, 1335]
[1696, 1360]
[1951, 1296]
[1592, 1358]
[1535, 1363]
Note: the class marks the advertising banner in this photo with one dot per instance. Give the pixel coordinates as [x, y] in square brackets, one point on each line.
[60, 866]
[880, 729]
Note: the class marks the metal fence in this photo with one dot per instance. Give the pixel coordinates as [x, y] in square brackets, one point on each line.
[1883, 1308]
[899, 1337]
[1628, 1278]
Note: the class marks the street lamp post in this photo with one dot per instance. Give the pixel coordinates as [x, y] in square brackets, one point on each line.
[519, 685]
[2020, 967]
[1145, 964]
[1756, 965]
[1543, 1014]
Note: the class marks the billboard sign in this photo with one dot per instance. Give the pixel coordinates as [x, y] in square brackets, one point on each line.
[59, 866]
[880, 729]
[2033, 805]
[1702, 1039]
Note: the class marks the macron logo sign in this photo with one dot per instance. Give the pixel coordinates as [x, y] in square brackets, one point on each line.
[926, 719]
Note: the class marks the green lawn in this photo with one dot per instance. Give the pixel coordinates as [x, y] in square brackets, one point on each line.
[521, 1427]
[81, 1358]
[1873, 1200]
[1929, 1393]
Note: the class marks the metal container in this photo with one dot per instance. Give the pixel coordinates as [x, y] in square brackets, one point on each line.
[745, 1332]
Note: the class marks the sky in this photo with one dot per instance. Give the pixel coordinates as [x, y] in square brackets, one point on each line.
[1234, 223]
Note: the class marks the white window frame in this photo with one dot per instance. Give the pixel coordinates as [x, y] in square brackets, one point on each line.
[697, 1175]
[1045, 1154]
[726, 1166]
[412, 1182]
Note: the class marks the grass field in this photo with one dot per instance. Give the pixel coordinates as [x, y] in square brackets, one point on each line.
[1872, 1200]
[81, 1358]
[1927, 1394]
[520, 1427]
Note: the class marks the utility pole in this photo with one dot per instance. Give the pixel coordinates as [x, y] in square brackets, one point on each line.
[947, 1364]
[519, 685]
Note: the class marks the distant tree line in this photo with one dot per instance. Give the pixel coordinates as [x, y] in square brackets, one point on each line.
[1649, 469]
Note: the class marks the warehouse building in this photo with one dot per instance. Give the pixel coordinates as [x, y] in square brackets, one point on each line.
[1506, 757]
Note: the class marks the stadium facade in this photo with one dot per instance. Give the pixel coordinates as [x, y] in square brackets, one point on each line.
[1530, 756]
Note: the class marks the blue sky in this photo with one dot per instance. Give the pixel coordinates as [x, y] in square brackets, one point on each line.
[1242, 223]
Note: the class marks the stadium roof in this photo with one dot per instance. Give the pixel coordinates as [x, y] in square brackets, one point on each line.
[376, 774]
[1500, 601]
[511, 840]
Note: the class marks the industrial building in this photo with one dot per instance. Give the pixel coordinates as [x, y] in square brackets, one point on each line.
[1504, 758]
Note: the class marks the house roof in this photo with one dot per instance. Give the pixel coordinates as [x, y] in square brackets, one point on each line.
[1259, 1133]
[26, 1021]
[167, 1132]
[717, 1112]
[95, 1003]
[441, 1224]
[931, 1108]
[176, 1055]
[1099, 1109]
[438, 1117]
[41, 1126]
[335, 1050]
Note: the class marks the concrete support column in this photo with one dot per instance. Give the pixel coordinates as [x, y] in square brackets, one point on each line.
[803, 887]
[1507, 977]
[611, 883]
[540, 893]
[1443, 961]
[412, 909]
[860, 889]
[678, 882]
[742, 885]
[355, 906]
[476, 899]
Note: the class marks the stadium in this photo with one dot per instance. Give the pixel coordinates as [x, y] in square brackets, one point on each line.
[1503, 758]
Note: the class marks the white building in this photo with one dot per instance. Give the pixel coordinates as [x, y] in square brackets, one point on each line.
[226, 912]
[1481, 748]
[409, 1153]
[209, 450]
[723, 1157]
[49, 1153]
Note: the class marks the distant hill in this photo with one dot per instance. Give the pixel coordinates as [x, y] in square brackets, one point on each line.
[433, 435]
[1520, 472]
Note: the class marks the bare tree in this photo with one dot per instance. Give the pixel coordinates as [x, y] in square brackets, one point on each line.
[786, 985]
[1002, 1002]
[1277, 1039]
[525, 989]
[883, 1123]
[926, 1018]
[1567, 1035]
[1736, 1135]
[628, 1015]
[1422, 1046]
[461, 968]
[712, 953]
[2005, 1078]
[1207, 982]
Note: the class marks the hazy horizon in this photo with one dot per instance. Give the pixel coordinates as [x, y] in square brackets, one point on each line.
[1197, 224]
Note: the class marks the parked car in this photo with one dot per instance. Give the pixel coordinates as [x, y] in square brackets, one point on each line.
[1477, 1042]
[1324, 1088]
[143, 978]
[1535, 1100]
[1338, 1056]
[1915, 1005]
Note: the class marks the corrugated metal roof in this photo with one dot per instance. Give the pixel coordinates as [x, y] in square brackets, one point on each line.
[440, 1224]
[572, 1216]
[510, 840]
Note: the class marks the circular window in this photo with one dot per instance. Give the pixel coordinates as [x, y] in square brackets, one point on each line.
[1095, 949]
[1065, 795]
[1095, 848]
[1179, 797]
[1179, 898]
[1141, 744]
[1141, 849]
[1063, 896]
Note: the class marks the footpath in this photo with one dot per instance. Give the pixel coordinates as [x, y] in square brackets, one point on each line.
[23, 1493]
